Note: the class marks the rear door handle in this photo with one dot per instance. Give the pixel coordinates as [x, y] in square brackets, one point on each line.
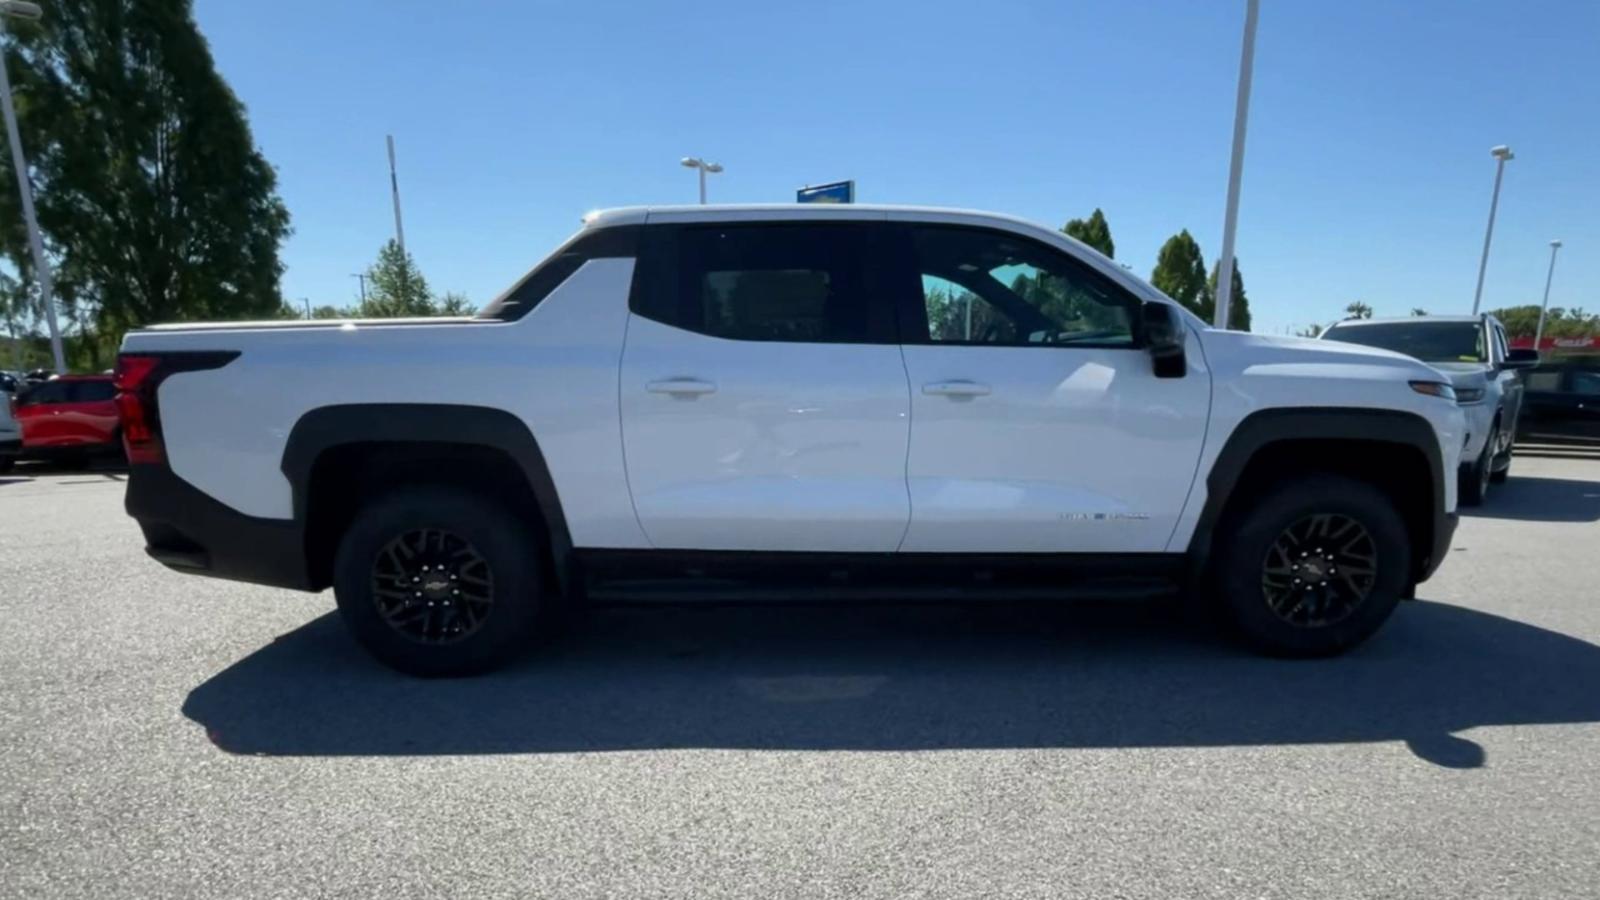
[686, 387]
[956, 389]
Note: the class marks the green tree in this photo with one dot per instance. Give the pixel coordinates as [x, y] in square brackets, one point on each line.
[455, 304]
[1310, 331]
[1238, 305]
[1094, 231]
[1418, 311]
[1523, 321]
[1180, 273]
[298, 311]
[154, 201]
[1357, 310]
[395, 286]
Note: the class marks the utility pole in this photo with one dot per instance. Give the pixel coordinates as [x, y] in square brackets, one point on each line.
[307, 302]
[41, 265]
[361, 277]
[1241, 115]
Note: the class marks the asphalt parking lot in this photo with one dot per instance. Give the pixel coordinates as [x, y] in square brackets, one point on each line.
[163, 735]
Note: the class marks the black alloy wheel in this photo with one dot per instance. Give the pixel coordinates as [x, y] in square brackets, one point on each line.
[437, 580]
[433, 586]
[1319, 570]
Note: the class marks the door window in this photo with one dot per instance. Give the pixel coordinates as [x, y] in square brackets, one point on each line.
[761, 282]
[47, 392]
[990, 287]
[90, 391]
[1499, 345]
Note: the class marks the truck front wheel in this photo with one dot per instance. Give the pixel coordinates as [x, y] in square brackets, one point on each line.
[436, 581]
[1314, 567]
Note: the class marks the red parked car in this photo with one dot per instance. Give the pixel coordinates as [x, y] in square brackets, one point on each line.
[73, 417]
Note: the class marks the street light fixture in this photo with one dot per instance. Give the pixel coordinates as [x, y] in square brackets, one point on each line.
[1502, 153]
[695, 162]
[1539, 332]
[20, 9]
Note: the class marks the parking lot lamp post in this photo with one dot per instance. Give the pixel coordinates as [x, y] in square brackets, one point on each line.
[23, 10]
[1241, 118]
[695, 162]
[1539, 332]
[1501, 154]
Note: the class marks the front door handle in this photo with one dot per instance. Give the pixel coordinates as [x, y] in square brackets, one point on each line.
[683, 387]
[956, 389]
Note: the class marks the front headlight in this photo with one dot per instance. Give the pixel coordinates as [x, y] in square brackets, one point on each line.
[1469, 395]
[1434, 389]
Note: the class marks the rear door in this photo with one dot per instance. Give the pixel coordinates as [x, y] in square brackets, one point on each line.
[39, 413]
[764, 402]
[1037, 422]
[92, 412]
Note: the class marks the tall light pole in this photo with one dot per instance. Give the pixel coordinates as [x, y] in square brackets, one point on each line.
[1539, 332]
[1241, 116]
[394, 189]
[695, 162]
[41, 265]
[1501, 154]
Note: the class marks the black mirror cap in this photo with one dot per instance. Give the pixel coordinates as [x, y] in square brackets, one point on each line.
[1521, 358]
[1163, 335]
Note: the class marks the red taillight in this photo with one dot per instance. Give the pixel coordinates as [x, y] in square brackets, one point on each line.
[141, 436]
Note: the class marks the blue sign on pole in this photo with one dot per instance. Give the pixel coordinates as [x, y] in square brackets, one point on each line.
[838, 192]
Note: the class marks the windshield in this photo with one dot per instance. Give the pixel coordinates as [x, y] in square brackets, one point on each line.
[1427, 341]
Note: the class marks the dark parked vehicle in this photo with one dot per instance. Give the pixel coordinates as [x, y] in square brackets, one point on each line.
[1561, 401]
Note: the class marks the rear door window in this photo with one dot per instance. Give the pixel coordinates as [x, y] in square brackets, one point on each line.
[801, 283]
[90, 391]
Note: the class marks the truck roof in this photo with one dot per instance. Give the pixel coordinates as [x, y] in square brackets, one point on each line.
[734, 212]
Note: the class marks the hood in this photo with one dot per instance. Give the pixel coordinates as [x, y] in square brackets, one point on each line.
[1305, 355]
[1469, 375]
[1313, 346]
[1478, 368]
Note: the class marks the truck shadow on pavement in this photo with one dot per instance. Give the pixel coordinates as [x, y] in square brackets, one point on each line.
[1540, 500]
[908, 678]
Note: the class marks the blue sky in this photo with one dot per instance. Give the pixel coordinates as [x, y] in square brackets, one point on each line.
[1367, 173]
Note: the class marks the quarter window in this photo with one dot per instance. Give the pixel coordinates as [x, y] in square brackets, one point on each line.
[989, 287]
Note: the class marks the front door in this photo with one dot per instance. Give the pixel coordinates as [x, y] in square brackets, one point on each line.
[764, 403]
[1038, 424]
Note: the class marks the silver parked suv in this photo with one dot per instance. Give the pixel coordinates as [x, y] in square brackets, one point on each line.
[1473, 352]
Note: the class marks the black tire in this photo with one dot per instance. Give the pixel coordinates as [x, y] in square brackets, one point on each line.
[1476, 478]
[486, 545]
[1502, 464]
[6, 463]
[1252, 547]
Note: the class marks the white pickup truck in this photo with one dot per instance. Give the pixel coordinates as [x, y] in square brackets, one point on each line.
[791, 401]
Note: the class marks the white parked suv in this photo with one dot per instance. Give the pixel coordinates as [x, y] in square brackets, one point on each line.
[791, 401]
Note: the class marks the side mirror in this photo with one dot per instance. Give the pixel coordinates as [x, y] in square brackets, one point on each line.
[1521, 358]
[1163, 335]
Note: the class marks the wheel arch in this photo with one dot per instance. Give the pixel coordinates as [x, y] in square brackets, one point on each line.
[338, 456]
[1395, 450]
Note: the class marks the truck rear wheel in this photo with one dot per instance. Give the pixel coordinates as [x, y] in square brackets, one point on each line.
[436, 581]
[1314, 567]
